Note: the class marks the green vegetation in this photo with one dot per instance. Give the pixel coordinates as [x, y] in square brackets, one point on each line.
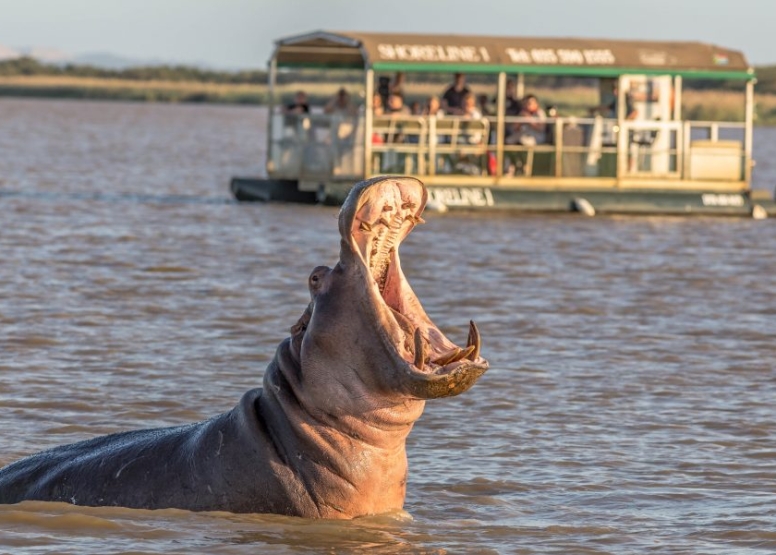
[702, 99]
[30, 66]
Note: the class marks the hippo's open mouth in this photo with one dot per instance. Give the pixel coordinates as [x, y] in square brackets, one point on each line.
[385, 212]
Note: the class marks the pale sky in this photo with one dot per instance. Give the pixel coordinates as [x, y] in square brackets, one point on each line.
[240, 33]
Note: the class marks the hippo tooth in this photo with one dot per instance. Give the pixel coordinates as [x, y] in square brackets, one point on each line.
[467, 352]
[448, 357]
[420, 350]
[474, 341]
[365, 226]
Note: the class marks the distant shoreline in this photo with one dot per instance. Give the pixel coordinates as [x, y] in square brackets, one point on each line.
[711, 105]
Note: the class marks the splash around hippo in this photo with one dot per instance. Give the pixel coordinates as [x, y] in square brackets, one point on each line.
[325, 435]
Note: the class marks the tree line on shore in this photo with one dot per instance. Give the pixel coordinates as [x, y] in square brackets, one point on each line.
[707, 100]
[26, 66]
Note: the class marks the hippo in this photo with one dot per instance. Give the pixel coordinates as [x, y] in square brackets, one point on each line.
[324, 437]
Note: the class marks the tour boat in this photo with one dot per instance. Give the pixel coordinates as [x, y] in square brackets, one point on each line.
[633, 152]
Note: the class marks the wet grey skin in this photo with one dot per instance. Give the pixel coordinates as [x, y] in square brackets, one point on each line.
[325, 435]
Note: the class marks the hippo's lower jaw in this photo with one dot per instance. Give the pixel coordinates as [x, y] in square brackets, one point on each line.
[379, 214]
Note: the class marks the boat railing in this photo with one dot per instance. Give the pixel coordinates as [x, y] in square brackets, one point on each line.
[427, 145]
[317, 146]
[322, 146]
[715, 150]
[399, 144]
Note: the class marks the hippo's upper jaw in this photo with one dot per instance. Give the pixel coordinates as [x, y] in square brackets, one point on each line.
[375, 218]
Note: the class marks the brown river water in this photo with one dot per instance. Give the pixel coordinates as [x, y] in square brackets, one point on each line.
[630, 406]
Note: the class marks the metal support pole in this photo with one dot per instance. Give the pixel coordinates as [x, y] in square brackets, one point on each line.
[677, 98]
[749, 121]
[369, 87]
[520, 86]
[272, 76]
[622, 135]
[500, 109]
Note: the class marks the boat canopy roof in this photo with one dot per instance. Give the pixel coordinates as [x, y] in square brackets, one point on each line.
[488, 54]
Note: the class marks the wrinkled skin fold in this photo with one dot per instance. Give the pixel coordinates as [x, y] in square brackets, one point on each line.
[325, 435]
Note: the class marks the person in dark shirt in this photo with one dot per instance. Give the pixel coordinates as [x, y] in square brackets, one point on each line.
[512, 106]
[294, 112]
[299, 105]
[452, 99]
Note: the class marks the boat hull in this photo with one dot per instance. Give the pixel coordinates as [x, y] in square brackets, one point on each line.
[533, 199]
[248, 189]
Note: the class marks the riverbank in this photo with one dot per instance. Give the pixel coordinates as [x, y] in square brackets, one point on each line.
[707, 105]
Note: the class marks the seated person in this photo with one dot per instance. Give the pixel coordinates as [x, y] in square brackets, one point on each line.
[433, 107]
[299, 105]
[529, 133]
[396, 109]
[452, 99]
[396, 106]
[471, 134]
[610, 106]
[470, 111]
[484, 107]
[340, 104]
[297, 108]
[377, 105]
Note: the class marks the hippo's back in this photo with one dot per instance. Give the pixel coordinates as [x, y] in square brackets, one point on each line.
[224, 463]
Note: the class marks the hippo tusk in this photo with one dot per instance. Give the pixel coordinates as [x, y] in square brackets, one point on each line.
[420, 349]
[474, 341]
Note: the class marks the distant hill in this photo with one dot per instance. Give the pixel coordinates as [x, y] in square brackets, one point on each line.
[102, 60]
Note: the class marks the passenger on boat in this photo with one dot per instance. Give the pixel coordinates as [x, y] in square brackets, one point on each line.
[484, 106]
[293, 115]
[396, 109]
[472, 112]
[433, 107]
[396, 106]
[452, 98]
[340, 104]
[397, 85]
[608, 108]
[529, 133]
[471, 134]
[377, 105]
[512, 105]
[299, 105]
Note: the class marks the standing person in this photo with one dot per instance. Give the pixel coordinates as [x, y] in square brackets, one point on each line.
[512, 105]
[397, 85]
[452, 99]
